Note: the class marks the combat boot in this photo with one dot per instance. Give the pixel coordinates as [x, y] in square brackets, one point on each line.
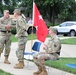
[6, 60]
[19, 65]
[44, 72]
[22, 62]
[38, 72]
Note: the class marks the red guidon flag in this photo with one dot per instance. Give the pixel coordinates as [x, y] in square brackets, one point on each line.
[39, 23]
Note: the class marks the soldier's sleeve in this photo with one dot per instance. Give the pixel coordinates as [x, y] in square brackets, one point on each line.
[48, 49]
[56, 46]
[22, 25]
[2, 26]
[10, 23]
[53, 46]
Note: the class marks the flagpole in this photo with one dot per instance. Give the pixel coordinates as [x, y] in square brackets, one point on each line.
[32, 26]
[33, 12]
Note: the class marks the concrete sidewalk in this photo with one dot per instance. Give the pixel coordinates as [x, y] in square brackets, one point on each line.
[66, 51]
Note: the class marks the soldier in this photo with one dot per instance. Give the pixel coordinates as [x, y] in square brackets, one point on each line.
[22, 38]
[52, 52]
[5, 35]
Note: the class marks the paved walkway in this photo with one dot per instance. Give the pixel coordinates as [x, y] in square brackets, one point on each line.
[66, 51]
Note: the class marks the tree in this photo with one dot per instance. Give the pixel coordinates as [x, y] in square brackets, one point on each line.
[68, 10]
[27, 6]
[50, 9]
[1, 7]
[10, 5]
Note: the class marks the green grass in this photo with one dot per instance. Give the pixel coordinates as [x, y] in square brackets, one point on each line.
[30, 37]
[63, 41]
[69, 41]
[4, 73]
[60, 64]
[13, 38]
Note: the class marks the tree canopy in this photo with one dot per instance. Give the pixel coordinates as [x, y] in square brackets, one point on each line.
[52, 10]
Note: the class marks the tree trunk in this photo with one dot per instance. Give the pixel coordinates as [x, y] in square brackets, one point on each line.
[53, 16]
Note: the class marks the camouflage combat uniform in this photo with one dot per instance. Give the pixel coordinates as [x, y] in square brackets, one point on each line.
[5, 35]
[22, 37]
[52, 52]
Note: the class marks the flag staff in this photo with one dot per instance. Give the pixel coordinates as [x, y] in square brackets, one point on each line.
[33, 13]
[32, 26]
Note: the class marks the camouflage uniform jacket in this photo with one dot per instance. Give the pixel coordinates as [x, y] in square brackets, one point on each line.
[54, 45]
[21, 27]
[4, 22]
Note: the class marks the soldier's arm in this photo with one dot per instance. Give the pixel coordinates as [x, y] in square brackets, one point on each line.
[22, 26]
[50, 46]
[10, 23]
[47, 47]
[2, 26]
[56, 46]
[13, 24]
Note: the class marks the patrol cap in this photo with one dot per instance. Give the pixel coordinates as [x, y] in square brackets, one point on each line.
[53, 29]
[17, 11]
[7, 11]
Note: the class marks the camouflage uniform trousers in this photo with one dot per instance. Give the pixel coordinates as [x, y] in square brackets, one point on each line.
[21, 48]
[5, 42]
[40, 58]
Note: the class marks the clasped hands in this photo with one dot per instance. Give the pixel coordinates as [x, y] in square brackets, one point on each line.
[8, 27]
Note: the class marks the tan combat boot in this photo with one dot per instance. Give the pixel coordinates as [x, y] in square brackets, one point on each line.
[22, 62]
[6, 60]
[19, 65]
[38, 72]
[44, 72]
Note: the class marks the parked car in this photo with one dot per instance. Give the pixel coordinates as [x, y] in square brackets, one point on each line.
[67, 28]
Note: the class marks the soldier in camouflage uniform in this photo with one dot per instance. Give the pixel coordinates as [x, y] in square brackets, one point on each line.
[5, 35]
[52, 52]
[22, 38]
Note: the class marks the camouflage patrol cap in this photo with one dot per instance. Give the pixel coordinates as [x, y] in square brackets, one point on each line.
[17, 11]
[53, 29]
[7, 11]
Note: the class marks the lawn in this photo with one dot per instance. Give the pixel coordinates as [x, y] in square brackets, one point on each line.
[63, 41]
[59, 64]
[71, 41]
[30, 37]
[4, 73]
